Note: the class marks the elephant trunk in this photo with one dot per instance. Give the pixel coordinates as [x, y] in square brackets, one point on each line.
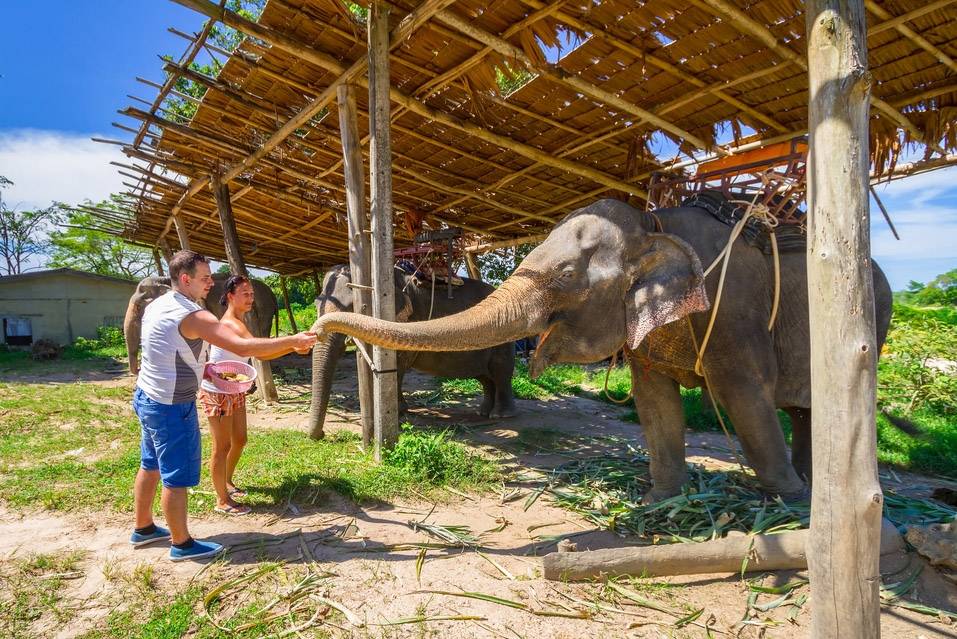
[325, 357]
[516, 309]
[131, 334]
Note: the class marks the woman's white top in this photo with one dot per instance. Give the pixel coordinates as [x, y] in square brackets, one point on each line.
[217, 354]
[172, 365]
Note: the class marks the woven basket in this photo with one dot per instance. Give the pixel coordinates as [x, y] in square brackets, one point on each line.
[230, 366]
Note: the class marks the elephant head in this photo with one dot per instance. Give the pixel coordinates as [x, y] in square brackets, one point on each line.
[598, 282]
[147, 290]
[336, 296]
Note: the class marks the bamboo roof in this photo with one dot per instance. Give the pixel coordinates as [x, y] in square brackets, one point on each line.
[506, 166]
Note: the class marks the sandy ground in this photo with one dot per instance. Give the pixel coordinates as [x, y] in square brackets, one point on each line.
[377, 585]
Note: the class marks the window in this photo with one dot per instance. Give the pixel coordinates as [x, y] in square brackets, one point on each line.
[17, 331]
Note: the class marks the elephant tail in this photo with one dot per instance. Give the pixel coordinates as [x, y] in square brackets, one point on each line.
[904, 425]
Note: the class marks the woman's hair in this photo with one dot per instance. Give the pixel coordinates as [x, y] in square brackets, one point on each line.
[234, 282]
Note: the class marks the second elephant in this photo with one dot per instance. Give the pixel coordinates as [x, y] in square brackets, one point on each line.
[492, 367]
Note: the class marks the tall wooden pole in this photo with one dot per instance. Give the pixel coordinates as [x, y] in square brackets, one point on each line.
[158, 262]
[472, 267]
[843, 551]
[237, 265]
[285, 301]
[181, 232]
[385, 389]
[166, 250]
[360, 245]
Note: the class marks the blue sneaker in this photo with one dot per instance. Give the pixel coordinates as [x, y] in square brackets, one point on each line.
[159, 534]
[199, 550]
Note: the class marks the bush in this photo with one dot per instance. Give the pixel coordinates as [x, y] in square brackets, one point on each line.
[436, 459]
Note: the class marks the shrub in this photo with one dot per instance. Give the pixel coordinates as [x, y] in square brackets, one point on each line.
[434, 458]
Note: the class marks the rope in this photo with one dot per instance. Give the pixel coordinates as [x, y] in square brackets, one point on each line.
[611, 365]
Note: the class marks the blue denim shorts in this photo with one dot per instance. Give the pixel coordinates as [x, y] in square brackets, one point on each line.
[169, 440]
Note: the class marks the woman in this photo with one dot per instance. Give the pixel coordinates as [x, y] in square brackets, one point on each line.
[227, 412]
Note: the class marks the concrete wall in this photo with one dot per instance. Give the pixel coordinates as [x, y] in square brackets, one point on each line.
[64, 306]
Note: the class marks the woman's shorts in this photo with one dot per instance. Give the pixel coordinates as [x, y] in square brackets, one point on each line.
[221, 404]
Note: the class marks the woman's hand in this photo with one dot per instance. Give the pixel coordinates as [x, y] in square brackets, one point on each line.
[304, 342]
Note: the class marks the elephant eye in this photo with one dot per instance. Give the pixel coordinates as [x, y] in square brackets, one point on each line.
[567, 272]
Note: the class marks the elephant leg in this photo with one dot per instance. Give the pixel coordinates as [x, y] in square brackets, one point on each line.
[502, 379]
[488, 392]
[801, 441]
[751, 409]
[662, 419]
[399, 374]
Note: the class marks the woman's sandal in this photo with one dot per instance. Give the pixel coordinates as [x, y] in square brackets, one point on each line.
[236, 492]
[234, 510]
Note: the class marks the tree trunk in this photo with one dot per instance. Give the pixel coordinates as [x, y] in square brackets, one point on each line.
[846, 504]
[285, 301]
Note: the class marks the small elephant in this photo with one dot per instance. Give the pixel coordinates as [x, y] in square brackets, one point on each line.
[149, 288]
[605, 278]
[492, 366]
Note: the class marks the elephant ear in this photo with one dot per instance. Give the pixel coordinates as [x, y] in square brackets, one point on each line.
[669, 284]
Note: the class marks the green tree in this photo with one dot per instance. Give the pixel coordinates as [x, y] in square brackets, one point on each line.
[79, 244]
[22, 233]
[496, 266]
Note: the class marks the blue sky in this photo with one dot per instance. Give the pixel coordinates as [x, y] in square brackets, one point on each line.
[65, 71]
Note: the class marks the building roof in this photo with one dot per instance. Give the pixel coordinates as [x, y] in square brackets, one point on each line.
[54, 272]
[506, 166]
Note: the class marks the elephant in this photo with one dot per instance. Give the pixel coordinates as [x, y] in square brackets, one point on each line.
[491, 366]
[149, 288]
[608, 277]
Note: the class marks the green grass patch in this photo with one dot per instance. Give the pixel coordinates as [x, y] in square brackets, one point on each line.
[32, 589]
[76, 447]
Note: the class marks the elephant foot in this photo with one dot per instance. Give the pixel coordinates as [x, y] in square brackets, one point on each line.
[657, 494]
[797, 496]
[317, 434]
[505, 411]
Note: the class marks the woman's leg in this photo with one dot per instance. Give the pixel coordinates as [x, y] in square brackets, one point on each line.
[236, 445]
[219, 429]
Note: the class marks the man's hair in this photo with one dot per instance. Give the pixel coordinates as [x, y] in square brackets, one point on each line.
[184, 262]
[234, 282]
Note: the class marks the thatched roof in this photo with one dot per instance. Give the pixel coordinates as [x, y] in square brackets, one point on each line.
[509, 166]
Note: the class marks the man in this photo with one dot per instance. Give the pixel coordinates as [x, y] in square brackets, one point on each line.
[176, 333]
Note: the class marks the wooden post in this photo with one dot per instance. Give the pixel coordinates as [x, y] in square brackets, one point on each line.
[846, 506]
[472, 267]
[385, 386]
[234, 256]
[285, 300]
[158, 262]
[167, 251]
[181, 232]
[360, 245]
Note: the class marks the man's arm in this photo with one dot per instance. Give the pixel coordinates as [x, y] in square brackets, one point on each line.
[204, 325]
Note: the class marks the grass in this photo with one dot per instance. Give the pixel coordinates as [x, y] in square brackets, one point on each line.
[76, 447]
[32, 590]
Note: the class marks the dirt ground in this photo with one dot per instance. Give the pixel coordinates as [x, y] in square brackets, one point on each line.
[377, 586]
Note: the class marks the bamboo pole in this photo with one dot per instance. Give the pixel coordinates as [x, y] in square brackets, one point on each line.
[843, 552]
[285, 301]
[360, 248]
[234, 255]
[385, 383]
[914, 37]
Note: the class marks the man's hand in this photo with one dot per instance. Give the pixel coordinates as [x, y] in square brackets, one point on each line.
[304, 342]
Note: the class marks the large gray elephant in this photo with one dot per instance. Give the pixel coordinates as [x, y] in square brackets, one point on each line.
[492, 366]
[149, 288]
[605, 278]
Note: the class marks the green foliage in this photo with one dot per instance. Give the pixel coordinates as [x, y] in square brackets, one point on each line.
[907, 381]
[496, 266]
[302, 290]
[80, 245]
[305, 315]
[360, 12]
[942, 290]
[434, 458]
[22, 233]
[935, 450]
[510, 80]
[107, 337]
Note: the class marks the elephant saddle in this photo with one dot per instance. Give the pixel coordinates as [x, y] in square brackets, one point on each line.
[791, 238]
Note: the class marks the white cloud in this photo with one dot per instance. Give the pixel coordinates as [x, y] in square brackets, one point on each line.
[51, 165]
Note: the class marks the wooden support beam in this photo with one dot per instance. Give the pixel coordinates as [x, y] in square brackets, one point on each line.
[385, 384]
[914, 37]
[285, 301]
[181, 231]
[158, 262]
[165, 249]
[360, 247]
[846, 504]
[893, 23]
[471, 266]
[571, 81]
[234, 255]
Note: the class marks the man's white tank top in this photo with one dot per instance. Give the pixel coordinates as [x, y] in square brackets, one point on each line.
[217, 354]
[172, 365]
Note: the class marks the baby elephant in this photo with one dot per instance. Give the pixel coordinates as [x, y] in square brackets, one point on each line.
[491, 366]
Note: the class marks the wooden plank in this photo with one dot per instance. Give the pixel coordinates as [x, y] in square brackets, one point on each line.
[385, 386]
[360, 245]
[234, 255]
[843, 551]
